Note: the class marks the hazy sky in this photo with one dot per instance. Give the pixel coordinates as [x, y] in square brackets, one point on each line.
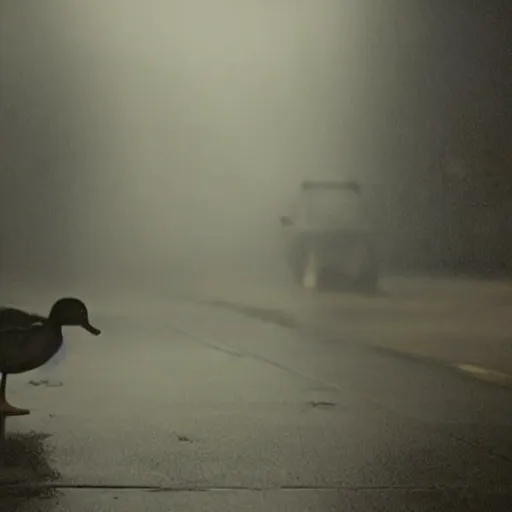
[168, 135]
[188, 121]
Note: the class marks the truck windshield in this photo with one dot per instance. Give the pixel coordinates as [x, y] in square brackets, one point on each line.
[332, 206]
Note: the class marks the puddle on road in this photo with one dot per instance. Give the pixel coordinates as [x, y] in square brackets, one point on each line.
[47, 383]
[184, 439]
[322, 404]
[25, 469]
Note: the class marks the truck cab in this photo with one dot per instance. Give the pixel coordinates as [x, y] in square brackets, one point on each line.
[329, 237]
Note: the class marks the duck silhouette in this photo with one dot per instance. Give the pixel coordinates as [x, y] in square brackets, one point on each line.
[28, 340]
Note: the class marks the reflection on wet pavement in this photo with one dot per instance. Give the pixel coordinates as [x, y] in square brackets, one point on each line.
[25, 472]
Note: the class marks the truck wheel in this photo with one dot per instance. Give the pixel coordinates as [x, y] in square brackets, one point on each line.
[305, 266]
[311, 270]
[368, 280]
[297, 271]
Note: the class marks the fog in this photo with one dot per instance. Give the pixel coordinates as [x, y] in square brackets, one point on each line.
[161, 140]
[155, 143]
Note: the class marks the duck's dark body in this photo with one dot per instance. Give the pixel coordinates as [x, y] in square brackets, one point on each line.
[27, 341]
[12, 317]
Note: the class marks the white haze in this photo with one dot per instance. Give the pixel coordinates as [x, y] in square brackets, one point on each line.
[188, 123]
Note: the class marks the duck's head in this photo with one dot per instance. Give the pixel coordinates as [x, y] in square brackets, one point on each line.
[70, 311]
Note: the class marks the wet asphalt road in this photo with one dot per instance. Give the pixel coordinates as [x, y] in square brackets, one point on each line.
[194, 407]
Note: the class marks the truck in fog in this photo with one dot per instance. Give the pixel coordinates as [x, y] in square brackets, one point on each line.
[329, 238]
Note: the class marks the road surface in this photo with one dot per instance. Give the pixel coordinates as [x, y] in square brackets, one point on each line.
[183, 405]
[462, 323]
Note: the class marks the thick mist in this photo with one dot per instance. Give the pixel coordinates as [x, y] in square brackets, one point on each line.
[156, 143]
[159, 141]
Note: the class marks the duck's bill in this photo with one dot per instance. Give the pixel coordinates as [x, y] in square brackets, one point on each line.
[89, 328]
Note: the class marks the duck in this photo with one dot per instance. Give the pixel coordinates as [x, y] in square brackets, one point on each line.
[29, 340]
